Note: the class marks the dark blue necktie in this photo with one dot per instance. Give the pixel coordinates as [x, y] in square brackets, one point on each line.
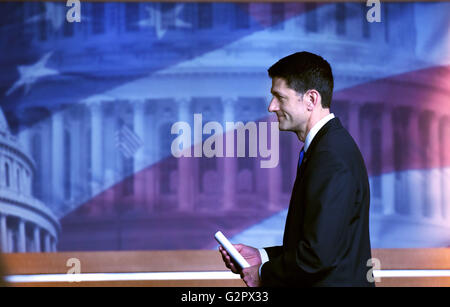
[300, 159]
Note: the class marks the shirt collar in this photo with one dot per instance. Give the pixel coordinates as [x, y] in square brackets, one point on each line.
[312, 133]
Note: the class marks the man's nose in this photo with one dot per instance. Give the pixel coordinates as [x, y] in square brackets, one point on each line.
[273, 106]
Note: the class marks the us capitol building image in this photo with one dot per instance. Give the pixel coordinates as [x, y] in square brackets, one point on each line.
[78, 161]
[26, 223]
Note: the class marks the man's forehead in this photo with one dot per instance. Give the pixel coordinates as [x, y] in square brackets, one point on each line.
[279, 85]
[278, 81]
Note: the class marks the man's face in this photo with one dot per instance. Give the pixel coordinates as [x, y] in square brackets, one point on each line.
[289, 106]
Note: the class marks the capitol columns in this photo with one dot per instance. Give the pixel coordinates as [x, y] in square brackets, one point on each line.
[10, 241]
[22, 248]
[3, 171]
[353, 121]
[186, 183]
[53, 244]
[445, 165]
[433, 170]
[387, 162]
[96, 147]
[415, 176]
[139, 156]
[47, 243]
[151, 151]
[3, 234]
[75, 162]
[37, 239]
[57, 163]
[229, 163]
[139, 130]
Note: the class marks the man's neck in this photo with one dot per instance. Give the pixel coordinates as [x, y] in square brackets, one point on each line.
[314, 119]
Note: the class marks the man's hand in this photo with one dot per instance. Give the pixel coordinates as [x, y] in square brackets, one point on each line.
[250, 275]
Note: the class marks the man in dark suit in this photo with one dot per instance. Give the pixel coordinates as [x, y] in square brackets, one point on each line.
[326, 237]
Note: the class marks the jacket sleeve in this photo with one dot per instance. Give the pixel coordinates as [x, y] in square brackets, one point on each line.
[329, 196]
[274, 251]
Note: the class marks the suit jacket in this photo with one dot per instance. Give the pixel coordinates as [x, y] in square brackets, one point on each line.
[326, 238]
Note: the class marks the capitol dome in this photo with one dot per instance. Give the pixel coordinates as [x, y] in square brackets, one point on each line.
[26, 224]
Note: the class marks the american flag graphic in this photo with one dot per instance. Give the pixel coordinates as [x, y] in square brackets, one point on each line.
[92, 104]
[127, 141]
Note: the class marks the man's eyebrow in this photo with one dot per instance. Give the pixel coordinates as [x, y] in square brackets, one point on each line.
[275, 93]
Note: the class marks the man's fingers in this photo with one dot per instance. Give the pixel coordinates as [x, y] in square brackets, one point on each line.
[227, 259]
[232, 266]
[229, 263]
[224, 253]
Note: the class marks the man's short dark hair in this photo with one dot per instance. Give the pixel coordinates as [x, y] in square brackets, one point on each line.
[303, 71]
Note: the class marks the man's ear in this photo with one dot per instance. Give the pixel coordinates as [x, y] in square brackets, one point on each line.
[312, 98]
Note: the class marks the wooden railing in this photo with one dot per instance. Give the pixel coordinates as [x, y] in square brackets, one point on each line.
[199, 261]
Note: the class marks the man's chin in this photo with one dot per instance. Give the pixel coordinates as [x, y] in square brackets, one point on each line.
[282, 126]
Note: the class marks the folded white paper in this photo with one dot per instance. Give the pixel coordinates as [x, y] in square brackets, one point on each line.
[231, 250]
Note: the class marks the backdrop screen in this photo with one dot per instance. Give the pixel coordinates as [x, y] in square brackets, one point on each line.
[145, 125]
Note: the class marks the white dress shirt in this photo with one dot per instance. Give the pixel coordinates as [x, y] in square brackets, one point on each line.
[309, 137]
